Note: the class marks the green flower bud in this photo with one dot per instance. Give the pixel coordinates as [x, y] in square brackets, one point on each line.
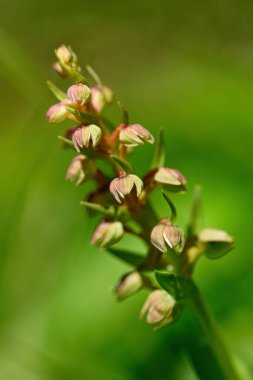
[107, 234]
[134, 135]
[87, 136]
[81, 169]
[57, 113]
[78, 94]
[124, 185]
[161, 308]
[171, 178]
[128, 285]
[216, 243]
[165, 234]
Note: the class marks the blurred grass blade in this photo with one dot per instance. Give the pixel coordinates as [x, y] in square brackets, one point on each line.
[196, 216]
[59, 94]
[159, 153]
[129, 257]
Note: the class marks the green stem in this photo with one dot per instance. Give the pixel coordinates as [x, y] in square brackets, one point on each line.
[208, 324]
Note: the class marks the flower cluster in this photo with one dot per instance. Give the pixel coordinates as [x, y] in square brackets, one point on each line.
[123, 199]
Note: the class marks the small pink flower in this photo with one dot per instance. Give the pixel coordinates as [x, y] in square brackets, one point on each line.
[57, 113]
[168, 176]
[161, 308]
[165, 234]
[134, 134]
[129, 284]
[123, 185]
[64, 54]
[107, 234]
[78, 94]
[80, 169]
[100, 96]
[86, 136]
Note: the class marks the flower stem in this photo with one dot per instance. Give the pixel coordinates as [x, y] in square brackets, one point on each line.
[210, 329]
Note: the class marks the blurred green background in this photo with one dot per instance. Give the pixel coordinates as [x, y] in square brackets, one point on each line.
[185, 66]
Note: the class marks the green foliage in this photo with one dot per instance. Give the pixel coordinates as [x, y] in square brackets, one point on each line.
[129, 257]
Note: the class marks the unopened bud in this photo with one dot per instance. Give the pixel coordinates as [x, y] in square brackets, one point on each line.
[161, 308]
[86, 136]
[134, 135]
[124, 185]
[58, 68]
[107, 234]
[170, 177]
[78, 93]
[100, 96]
[57, 113]
[80, 169]
[65, 54]
[216, 243]
[108, 94]
[165, 234]
[128, 285]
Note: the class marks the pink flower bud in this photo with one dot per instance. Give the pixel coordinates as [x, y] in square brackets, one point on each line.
[65, 54]
[124, 185]
[57, 113]
[128, 285]
[160, 308]
[78, 93]
[107, 234]
[80, 169]
[86, 136]
[165, 234]
[100, 96]
[57, 67]
[170, 177]
[108, 94]
[134, 135]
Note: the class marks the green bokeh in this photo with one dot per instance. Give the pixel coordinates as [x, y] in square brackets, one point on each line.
[184, 66]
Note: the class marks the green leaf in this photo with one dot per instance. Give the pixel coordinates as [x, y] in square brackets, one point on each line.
[196, 216]
[131, 258]
[124, 113]
[172, 207]
[217, 250]
[110, 211]
[82, 115]
[159, 153]
[59, 94]
[177, 286]
[122, 163]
